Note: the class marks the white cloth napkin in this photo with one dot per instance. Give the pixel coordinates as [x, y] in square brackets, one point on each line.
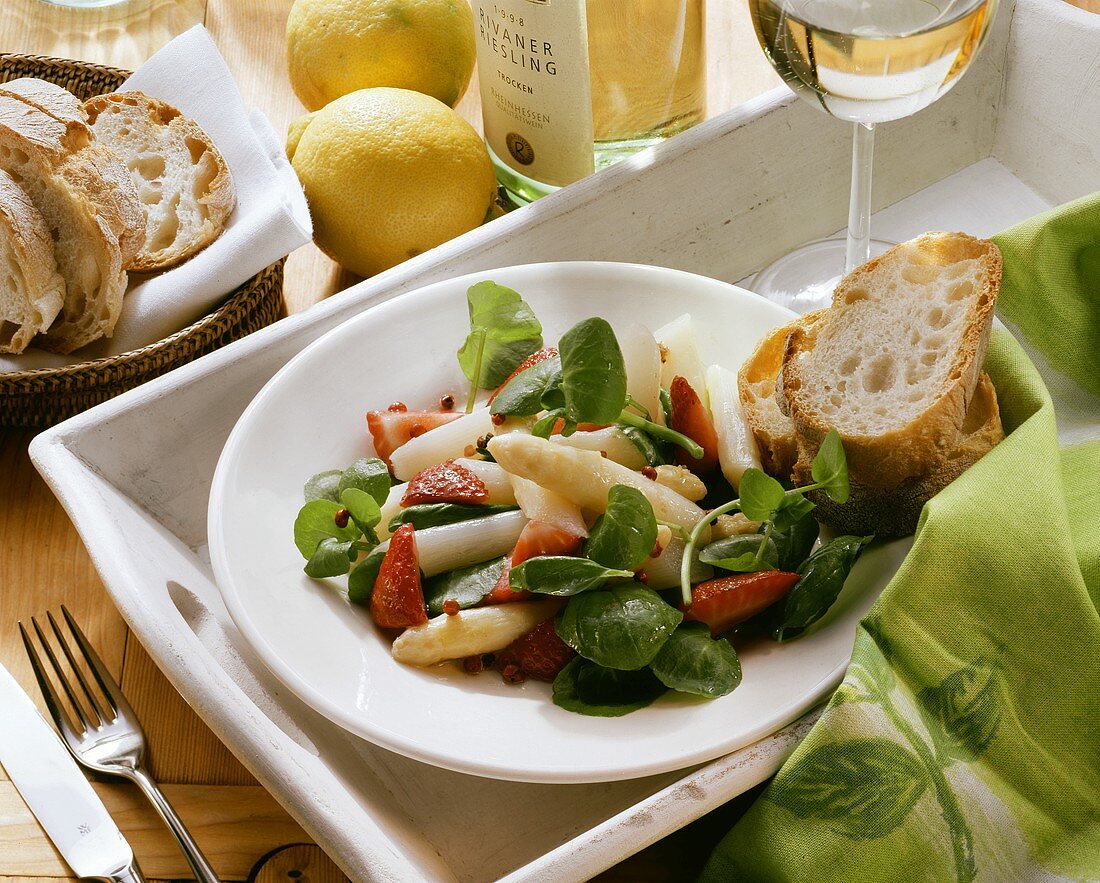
[270, 220]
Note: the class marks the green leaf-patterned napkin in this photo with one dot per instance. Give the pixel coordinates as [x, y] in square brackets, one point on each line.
[964, 743]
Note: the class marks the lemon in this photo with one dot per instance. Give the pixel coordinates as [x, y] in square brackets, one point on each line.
[338, 46]
[388, 174]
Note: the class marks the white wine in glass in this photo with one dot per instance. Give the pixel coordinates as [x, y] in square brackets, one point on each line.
[867, 62]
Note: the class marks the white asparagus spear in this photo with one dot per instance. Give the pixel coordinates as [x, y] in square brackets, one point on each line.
[470, 632]
[450, 546]
[390, 508]
[737, 449]
[642, 360]
[539, 504]
[611, 439]
[585, 477]
[443, 443]
[682, 356]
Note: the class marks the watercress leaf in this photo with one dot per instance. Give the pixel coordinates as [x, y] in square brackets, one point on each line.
[645, 443]
[323, 486]
[822, 577]
[795, 542]
[584, 687]
[552, 397]
[624, 536]
[361, 580]
[760, 495]
[621, 627]
[830, 467]
[370, 475]
[544, 426]
[510, 329]
[466, 585]
[425, 515]
[316, 521]
[794, 508]
[522, 396]
[330, 558]
[739, 553]
[363, 509]
[691, 661]
[593, 373]
[559, 575]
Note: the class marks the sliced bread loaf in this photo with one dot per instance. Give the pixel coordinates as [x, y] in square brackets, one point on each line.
[182, 180]
[893, 363]
[48, 97]
[48, 159]
[32, 291]
[756, 385]
[894, 512]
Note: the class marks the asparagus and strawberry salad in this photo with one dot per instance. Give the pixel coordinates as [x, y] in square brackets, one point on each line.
[595, 516]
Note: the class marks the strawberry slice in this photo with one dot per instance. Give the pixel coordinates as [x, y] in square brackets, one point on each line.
[539, 653]
[397, 600]
[391, 429]
[726, 601]
[533, 359]
[536, 538]
[691, 418]
[445, 483]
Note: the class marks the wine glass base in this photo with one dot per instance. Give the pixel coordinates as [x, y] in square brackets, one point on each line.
[804, 279]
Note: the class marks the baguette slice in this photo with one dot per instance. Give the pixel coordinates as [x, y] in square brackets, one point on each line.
[894, 362]
[894, 512]
[756, 385]
[51, 161]
[33, 292]
[183, 182]
[48, 97]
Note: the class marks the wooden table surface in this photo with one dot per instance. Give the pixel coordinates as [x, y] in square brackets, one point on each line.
[43, 564]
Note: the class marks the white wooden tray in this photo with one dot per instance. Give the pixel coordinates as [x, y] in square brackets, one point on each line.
[1020, 132]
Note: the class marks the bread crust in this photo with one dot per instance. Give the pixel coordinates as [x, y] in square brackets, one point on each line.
[756, 382]
[887, 459]
[895, 512]
[30, 242]
[48, 144]
[219, 198]
[101, 172]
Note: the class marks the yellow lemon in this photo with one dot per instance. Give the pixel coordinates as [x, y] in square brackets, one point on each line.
[389, 173]
[338, 46]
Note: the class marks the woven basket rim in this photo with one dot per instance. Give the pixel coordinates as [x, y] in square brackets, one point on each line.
[105, 68]
[230, 304]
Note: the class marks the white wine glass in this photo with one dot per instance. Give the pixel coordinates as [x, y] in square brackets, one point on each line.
[866, 62]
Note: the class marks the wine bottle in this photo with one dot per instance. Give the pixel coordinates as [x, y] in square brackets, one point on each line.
[569, 86]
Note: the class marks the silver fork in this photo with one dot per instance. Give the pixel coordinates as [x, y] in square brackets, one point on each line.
[107, 736]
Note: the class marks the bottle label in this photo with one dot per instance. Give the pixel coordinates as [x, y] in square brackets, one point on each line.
[536, 97]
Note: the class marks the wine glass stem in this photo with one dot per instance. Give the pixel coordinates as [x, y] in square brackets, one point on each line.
[859, 209]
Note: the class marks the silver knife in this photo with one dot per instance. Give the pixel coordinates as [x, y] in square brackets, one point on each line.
[56, 791]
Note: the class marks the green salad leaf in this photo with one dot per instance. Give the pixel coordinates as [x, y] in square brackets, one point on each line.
[760, 495]
[362, 578]
[363, 510]
[621, 627]
[503, 332]
[830, 468]
[823, 575]
[524, 394]
[795, 542]
[316, 521]
[323, 486]
[561, 575]
[331, 558]
[584, 687]
[593, 373]
[466, 585]
[691, 661]
[369, 475]
[624, 535]
[742, 553]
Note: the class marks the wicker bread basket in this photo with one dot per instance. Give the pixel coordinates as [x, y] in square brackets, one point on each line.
[45, 396]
